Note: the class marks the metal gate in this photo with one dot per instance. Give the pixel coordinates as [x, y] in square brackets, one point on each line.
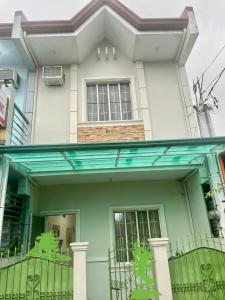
[36, 278]
[122, 278]
[199, 273]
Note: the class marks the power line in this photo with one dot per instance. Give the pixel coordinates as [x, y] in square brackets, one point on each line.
[214, 59]
[215, 100]
[218, 75]
[208, 102]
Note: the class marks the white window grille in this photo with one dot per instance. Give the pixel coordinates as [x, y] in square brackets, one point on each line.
[109, 102]
[132, 226]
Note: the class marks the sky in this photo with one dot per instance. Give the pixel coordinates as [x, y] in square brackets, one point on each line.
[210, 20]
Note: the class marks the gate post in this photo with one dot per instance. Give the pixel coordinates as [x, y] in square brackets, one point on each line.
[79, 270]
[159, 247]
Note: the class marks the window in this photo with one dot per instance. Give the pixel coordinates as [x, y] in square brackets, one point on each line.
[13, 223]
[134, 226]
[109, 102]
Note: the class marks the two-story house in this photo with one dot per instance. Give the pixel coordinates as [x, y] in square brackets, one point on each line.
[101, 140]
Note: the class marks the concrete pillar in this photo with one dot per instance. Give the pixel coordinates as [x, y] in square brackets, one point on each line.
[144, 103]
[204, 122]
[73, 104]
[79, 270]
[4, 170]
[215, 178]
[159, 247]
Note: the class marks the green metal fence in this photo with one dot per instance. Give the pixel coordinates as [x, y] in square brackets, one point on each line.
[35, 278]
[197, 269]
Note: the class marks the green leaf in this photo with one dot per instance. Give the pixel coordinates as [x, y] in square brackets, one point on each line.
[46, 246]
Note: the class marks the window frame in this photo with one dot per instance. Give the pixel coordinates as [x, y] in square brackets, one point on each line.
[162, 219]
[109, 80]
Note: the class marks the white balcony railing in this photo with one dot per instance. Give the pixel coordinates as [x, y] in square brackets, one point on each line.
[21, 129]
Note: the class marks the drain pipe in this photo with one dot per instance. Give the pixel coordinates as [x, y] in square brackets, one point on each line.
[186, 195]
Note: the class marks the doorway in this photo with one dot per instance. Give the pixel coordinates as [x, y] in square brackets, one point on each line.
[63, 227]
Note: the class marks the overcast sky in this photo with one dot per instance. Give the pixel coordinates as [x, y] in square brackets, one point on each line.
[210, 15]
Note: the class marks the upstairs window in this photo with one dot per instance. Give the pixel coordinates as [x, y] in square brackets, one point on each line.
[109, 102]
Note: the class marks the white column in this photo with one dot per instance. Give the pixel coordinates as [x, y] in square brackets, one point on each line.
[73, 104]
[4, 169]
[79, 270]
[159, 247]
[144, 103]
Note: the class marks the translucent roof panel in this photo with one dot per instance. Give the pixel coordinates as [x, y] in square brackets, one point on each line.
[89, 157]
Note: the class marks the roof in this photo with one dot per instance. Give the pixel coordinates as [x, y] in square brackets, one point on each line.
[112, 156]
[65, 26]
[139, 39]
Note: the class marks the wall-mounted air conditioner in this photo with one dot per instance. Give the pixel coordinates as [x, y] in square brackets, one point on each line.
[53, 75]
[9, 76]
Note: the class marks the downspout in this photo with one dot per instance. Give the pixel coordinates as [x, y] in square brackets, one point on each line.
[35, 84]
[29, 217]
[186, 195]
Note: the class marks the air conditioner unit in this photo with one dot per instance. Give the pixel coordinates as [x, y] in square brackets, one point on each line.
[9, 76]
[53, 75]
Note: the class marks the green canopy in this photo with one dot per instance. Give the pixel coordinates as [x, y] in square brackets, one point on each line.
[102, 156]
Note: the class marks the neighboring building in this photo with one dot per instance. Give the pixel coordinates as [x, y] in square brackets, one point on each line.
[115, 155]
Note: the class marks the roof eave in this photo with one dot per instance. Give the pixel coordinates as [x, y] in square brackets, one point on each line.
[69, 26]
[114, 145]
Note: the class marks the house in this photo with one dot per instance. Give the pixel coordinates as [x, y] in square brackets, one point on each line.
[101, 142]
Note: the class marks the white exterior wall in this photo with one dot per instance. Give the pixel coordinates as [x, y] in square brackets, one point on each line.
[52, 124]
[94, 69]
[168, 117]
[166, 106]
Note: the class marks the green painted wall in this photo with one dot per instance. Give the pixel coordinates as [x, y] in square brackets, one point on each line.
[197, 205]
[94, 201]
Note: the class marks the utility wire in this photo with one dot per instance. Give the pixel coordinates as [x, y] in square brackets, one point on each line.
[212, 88]
[214, 59]
[218, 75]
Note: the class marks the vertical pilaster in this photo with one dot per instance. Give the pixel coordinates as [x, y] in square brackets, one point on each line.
[189, 112]
[159, 247]
[144, 103]
[79, 270]
[29, 101]
[10, 112]
[73, 104]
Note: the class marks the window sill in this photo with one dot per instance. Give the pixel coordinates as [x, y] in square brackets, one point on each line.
[110, 123]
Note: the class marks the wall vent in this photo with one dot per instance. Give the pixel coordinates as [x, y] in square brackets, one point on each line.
[9, 76]
[53, 75]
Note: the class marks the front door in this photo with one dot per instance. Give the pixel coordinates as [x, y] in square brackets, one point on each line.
[37, 228]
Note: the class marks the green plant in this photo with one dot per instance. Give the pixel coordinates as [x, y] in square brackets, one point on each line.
[143, 264]
[46, 246]
[218, 189]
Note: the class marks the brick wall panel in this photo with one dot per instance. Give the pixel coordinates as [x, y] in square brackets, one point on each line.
[110, 133]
